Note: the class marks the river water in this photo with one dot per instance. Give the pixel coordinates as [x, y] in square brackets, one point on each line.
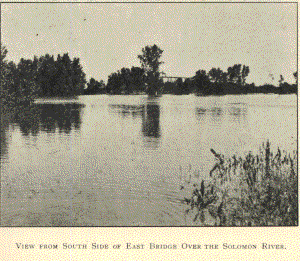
[121, 160]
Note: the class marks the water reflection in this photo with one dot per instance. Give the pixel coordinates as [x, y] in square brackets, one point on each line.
[216, 113]
[3, 136]
[134, 111]
[63, 117]
[151, 126]
[48, 118]
[126, 156]
[149, 113]
[200, 111]
[237, 112]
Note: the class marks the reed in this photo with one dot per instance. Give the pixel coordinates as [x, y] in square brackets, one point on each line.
[257, 190]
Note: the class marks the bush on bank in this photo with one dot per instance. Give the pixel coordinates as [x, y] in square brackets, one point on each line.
[257, 190]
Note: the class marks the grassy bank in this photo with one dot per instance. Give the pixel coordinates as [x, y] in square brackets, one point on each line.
[257, 190]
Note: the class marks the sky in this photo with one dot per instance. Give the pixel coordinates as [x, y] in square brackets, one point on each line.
[193, 36]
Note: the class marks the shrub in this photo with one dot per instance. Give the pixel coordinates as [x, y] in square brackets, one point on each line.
[258, 190]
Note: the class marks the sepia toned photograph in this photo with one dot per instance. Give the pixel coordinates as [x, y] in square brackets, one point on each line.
[149, 115]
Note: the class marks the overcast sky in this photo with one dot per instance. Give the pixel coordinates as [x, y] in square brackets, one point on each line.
[107, 37]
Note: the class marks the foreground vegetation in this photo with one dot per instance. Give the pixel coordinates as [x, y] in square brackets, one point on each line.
[258, 190]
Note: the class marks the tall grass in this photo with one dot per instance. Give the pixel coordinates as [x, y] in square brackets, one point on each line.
[257, 190]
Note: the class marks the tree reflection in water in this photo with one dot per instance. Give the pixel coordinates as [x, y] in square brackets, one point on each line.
[4, 124]
[151, 125]
[48, 118]
[233, 112]
[150, 115]
[134, 111]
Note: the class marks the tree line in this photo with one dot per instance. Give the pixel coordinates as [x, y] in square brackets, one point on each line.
[46, 76]
[43, 76]
[213, 82]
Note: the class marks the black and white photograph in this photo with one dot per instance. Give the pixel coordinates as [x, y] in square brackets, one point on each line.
[149, 114]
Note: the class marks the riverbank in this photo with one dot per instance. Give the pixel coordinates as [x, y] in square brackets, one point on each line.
[257, 190]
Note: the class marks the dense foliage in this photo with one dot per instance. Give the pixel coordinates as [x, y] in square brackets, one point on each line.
[60, 77]
[40, 77]
[150, 61]
[149, 80]
[217, 82]
[46, 76]
[126, 81]
[258, 190]
[17, 82]
[95, 87]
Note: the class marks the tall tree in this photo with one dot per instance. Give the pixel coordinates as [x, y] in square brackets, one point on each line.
[126, 80]
[238, 74]
[95, 87]
[78, 77]
[5, 80]
[245, 73]
[188, 86]
[201, 82]
[216, 75]
[281, 80]
[26, 74]
[295, 74]
[138, 78]
[233, 73]
[47, 74]
[179, 86]
[63, 77]
[114, 83]
[150, 62]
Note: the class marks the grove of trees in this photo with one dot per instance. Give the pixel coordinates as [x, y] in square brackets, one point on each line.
[144, 79]
[43, 76]
[148, 79]
[126, 81]
[95, 87]
[46, 76]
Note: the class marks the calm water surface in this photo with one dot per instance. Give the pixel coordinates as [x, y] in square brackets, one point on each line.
[120, 160]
